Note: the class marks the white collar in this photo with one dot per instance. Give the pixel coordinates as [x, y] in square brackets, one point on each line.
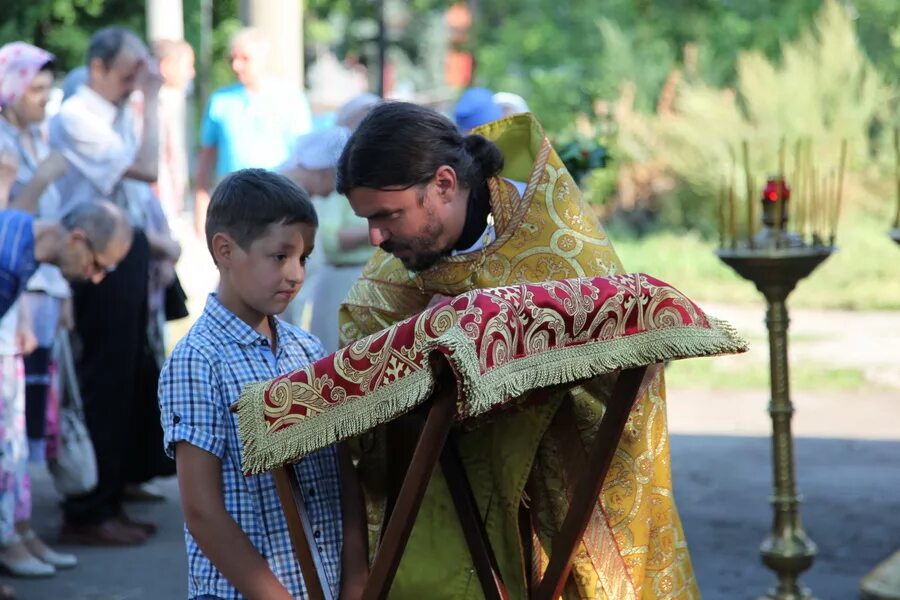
[486, 238]
[490, 232]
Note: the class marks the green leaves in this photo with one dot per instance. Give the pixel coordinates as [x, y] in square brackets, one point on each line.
[64, 27]
[823, 89]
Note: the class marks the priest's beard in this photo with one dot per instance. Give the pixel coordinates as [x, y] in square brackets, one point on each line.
[422, 251]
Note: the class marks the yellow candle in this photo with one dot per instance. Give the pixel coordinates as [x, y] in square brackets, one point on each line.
[814, 205]
[826, 206]
[840, 190]
[800, 209]
[779, 213]
[897, 173]
[751, 221]
[796, 184]
[732, 213]
[809, 210]
[825, 210]
[722, 225]
[832, 205]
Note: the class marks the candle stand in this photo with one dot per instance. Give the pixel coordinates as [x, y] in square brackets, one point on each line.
[775, 271]
[798, 230]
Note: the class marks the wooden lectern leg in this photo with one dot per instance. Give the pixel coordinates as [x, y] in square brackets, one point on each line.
[355, 547]
[412, 491]
[629, 386]
[401, 436]
[301, 531]
[472, 525]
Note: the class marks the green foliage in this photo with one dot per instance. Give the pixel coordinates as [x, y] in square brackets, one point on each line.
[824, 88]
[581, 156]
[598, 185]
[224, 23]
[64, 27]
[562, 56]
[727, 375]
[878, 22]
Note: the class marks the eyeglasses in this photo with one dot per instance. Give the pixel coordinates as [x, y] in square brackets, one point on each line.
[97, 265]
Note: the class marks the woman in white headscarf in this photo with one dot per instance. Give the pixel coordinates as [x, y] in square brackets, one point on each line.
[510, 104]
[342, 241]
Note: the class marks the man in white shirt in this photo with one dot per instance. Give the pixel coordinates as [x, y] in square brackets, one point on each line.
[96, 132]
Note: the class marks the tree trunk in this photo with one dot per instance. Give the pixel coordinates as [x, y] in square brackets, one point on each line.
[165, 20]
[281, 21]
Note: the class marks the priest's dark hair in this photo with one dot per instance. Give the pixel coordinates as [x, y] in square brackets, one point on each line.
[401, 145]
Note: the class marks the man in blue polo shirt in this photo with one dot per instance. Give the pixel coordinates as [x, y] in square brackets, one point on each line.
[252, 123]
[86, 244]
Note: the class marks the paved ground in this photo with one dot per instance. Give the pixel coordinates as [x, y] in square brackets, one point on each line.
[157, 571]
[851, 510]
[847, 458]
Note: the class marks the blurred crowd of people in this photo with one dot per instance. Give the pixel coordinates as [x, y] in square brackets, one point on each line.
[115, 146]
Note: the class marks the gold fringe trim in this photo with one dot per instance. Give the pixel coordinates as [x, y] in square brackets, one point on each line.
[263, 451]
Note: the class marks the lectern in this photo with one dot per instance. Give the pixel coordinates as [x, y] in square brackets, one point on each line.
[428, 379]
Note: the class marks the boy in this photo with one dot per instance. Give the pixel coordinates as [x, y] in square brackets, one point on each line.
[260, 229]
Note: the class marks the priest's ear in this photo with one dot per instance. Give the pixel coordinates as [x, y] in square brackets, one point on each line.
[446, 182]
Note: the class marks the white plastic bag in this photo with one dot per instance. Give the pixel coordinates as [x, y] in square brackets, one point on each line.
[74, 469]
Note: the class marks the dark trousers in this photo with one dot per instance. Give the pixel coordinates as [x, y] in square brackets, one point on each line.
[111, 326]
[146, 458]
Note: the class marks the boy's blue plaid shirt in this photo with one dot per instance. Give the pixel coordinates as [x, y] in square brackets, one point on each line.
[201, 379]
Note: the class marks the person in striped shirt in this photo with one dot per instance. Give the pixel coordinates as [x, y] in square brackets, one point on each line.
[86, 243]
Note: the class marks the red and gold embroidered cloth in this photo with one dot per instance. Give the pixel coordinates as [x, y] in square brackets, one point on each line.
[501, 343]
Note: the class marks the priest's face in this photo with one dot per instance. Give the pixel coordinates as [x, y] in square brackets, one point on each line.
[418, 225]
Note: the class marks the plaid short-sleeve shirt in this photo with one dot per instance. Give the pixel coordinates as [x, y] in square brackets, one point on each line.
[201, 379]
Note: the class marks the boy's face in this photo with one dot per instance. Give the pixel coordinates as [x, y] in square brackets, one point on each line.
[265, 277]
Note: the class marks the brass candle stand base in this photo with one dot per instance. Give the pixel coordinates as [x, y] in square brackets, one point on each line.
[787, 550]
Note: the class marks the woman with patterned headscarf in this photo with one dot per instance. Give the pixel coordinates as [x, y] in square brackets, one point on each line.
[26, 78]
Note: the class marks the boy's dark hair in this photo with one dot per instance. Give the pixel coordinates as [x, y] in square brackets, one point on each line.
[247, 202]
[400, 145]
